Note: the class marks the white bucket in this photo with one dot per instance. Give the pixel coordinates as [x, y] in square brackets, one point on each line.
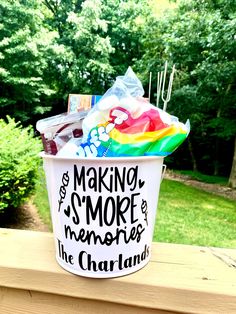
[103, 212]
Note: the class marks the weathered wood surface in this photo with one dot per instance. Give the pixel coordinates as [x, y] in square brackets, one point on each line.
[178, 279]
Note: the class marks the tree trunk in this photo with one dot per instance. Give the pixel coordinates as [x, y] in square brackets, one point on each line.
[216, 155]
[216, 159]
[232, 178]
[194, 161]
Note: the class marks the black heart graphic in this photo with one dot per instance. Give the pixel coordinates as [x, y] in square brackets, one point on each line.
[141, 183]
[67, 211]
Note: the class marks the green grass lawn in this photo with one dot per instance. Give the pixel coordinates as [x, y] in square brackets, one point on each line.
[191, 216]
[185, 215]
[40, 199]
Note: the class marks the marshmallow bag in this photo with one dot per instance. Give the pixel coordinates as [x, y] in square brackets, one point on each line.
[123, 123]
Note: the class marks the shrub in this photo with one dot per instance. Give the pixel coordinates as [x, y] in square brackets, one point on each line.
[19, 163]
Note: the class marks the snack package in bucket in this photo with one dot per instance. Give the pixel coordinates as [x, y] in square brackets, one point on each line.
[78, 102]
[123, 123]
[59, 130]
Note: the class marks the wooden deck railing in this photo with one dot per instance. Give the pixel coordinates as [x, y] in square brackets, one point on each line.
[178, 279]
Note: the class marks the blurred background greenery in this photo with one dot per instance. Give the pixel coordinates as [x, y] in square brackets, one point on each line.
[50, 49]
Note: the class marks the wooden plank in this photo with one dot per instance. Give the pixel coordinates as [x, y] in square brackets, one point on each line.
[16, 301]
[179, 278]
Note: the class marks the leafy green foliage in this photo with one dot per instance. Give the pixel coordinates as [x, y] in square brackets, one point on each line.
[24, 56]
[199, 37]
[49, 49]
[126, 21]
[99, 40]
[18, 163]
[83, 64]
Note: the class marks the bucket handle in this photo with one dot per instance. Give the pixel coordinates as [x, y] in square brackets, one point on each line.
[163, 171]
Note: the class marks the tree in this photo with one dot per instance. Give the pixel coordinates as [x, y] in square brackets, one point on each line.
[82, 34]
[24, 45]
[199, 37]
[232, 178]
[101, 39]
[126, 21]
[49, 49]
